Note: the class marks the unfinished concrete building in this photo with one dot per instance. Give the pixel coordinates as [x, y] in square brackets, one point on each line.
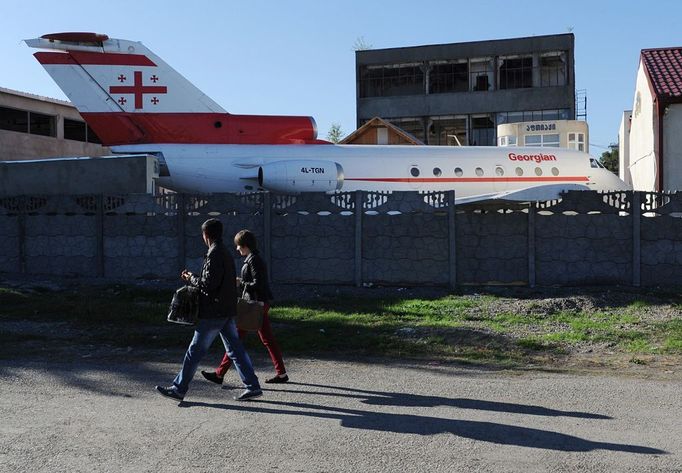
[457, 94]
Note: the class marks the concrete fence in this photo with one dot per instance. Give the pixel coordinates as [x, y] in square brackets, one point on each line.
[400, 238]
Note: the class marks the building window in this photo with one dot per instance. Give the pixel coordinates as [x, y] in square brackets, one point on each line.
[74, 130]
[92, 137]
[79, 131]
[532, 115]
[507, 140]
[516, 72]
[40, 124]
[449, 77]
[391, 80]
[576, 141]
[553, 69]
[13, 120]
[481, 74]
[482, 131]
[27, 122]
[549, 140]
[448, 131]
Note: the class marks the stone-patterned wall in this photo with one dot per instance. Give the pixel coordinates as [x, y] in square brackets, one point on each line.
[61, 245]
[402, 238]
[661, 240]
[405, 238]
[405, 249]
[140, 237]
[10, 252]
[585, 240]
[313, 239]
[492, 247]
[578, 250]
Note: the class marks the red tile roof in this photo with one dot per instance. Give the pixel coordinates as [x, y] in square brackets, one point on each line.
[664, 68]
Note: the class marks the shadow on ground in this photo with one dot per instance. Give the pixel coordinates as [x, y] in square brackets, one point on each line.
[425, 425]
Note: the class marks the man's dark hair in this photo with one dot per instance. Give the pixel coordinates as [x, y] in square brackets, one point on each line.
[213, 229]
[247, 239]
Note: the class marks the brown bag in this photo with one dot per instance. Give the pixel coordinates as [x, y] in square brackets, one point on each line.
[249, 313]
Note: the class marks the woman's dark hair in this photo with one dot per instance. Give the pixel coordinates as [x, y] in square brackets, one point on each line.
[213, 229]
[247, 239]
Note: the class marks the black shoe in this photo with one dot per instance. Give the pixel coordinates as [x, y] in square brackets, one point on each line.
[212, 377]
[278, 379]
[248, 395]
[170, 392]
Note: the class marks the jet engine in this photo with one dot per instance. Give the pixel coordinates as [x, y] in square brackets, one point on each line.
[301, 176]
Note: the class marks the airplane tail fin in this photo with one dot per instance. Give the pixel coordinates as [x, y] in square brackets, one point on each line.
[128, 95]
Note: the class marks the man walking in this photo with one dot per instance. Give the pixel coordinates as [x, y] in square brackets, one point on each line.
[217, 308]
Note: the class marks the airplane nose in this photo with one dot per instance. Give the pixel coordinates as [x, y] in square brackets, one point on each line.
[613, 182]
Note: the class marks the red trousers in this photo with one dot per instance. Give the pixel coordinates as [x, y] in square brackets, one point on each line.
[268, 340]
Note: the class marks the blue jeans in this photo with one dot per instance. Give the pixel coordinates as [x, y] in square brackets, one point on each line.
[205, 332]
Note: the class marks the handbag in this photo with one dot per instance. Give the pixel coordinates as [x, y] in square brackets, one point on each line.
[249, 313]
[184, 307]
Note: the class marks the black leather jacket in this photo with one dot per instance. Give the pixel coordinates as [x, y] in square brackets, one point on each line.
[255, 278]
[217, 284]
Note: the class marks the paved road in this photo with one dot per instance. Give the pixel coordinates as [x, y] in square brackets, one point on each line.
[336, 417]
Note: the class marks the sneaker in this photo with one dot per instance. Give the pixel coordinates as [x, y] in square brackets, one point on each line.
[170, 392]
[248, 395]
[278, 379]
[212, 377]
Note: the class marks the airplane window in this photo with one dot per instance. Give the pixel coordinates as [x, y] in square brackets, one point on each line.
[555, 171]
[519, 171]
[479, 171]
[437, 172]
[538, 171]
[593, 163]
[499, 171]
[414, 172]
[458, 172]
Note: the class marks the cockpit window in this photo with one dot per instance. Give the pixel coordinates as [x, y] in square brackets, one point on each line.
[596, 164]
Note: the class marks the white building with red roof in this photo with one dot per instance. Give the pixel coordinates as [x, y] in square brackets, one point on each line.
[651, 147]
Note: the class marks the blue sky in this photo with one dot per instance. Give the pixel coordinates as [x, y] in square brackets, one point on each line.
[297, 58]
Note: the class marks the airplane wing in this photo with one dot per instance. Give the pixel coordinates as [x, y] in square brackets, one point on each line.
[528, 194]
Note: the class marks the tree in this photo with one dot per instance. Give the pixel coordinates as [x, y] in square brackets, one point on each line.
[610, 159]
[335, 133]
[361, 45]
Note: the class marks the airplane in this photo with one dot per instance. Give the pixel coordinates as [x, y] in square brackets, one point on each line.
[136, 103]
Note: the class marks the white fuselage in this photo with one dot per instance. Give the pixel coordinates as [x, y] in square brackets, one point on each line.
[470, 171]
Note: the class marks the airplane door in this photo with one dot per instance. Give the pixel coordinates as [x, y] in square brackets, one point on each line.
[500, 178]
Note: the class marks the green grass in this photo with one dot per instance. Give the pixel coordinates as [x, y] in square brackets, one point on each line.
[671, 335]
[462, 328]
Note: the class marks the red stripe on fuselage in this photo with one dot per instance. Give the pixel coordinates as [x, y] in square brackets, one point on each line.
[121, 128]
[471, 179]
[97, 59]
